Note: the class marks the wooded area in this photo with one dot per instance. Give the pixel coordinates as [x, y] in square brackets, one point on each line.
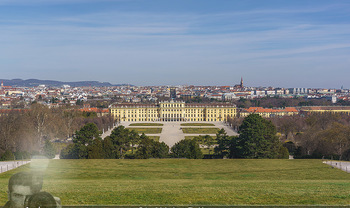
[122, 143]
[313, 135]
[25, 132]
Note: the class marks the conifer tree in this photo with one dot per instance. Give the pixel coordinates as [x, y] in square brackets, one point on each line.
[257, 138]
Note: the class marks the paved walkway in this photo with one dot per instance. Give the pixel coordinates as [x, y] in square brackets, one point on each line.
[107, 132]
[344, 166]
[171, 133]
[9, 165]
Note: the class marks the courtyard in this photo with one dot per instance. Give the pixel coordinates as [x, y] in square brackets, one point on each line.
[172, 132]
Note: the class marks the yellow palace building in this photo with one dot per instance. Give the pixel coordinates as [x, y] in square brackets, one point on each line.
[325, 109]
[173, 111]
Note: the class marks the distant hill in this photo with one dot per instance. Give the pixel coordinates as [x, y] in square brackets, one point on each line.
[53, 83]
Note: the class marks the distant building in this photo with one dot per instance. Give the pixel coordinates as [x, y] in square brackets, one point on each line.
[98, 111]
[270, 92]
[173, 92]
[323, 109]
[240, 85]
[259, 93]
[279, 92]
[298, 91]
[268, 112]
[173, 111]
[229, 97]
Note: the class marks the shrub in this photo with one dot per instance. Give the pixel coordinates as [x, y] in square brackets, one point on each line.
[8, 155]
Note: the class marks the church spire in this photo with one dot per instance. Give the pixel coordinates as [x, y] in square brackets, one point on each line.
[241, 85]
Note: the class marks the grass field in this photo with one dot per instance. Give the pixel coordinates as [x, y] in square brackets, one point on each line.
[192, 182]
[147, 130]
[155, 138]
[146, 124]
[191, 137]
[197, 124]
[200, 130]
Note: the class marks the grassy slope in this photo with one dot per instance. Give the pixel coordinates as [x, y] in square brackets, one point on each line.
[201, 182]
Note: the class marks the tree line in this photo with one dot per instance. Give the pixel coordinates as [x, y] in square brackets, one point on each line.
[26, 132]
[257, 139]
[312, 135]
[122, 143]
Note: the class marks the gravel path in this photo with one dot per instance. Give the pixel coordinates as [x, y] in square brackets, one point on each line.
[172, 133]
[344, 166]
[9, 165]
[107, 132]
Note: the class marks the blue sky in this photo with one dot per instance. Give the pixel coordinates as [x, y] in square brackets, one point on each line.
[173, 42]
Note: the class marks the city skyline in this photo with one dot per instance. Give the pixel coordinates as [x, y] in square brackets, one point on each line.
[93, 83]
[268, 43]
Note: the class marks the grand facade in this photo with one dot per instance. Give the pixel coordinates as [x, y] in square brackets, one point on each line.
[173, 111]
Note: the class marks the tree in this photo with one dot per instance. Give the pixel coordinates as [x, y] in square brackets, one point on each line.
[206, 141]
[22, 155]
[234, 148]
[69, 121]
[187, 148]
[109, 151]
[223, 141]
[79, 152]
[334, 140]
[49, 150]
[67, 152]
[160, 150]
[88, 114]
[8, 155]
[87, 134]
[121, 140]
[257, 138]
[8, 129]
[95, 150]
[148, 148]
[144, 149]
[283, 153]
[290, 147]
[41, 119]
[134, 139]
[84, 140]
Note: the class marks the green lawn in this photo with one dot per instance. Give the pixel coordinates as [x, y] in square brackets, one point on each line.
[147, 130]
[200, 130]
[192, 182]
[146, 124]
[155, 138]
[191, 137]
[197, 124]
